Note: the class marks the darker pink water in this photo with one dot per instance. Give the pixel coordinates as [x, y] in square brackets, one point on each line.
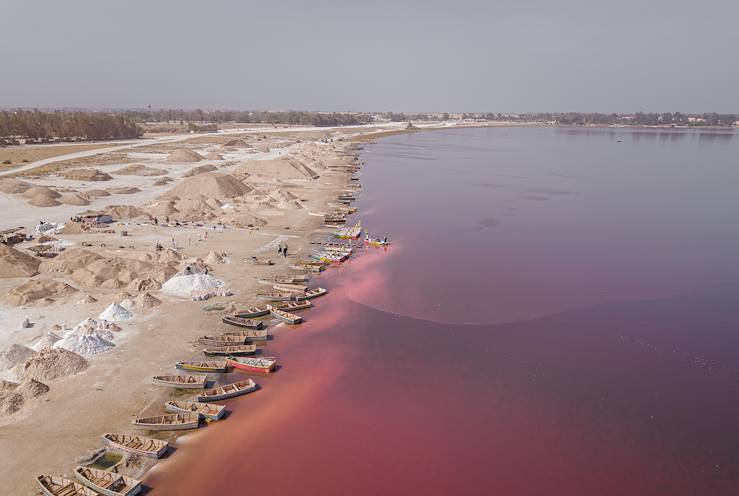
[557, 315]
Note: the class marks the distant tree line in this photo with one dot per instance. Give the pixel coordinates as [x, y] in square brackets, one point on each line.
[35, 126]
[292, 117]
[637, 119]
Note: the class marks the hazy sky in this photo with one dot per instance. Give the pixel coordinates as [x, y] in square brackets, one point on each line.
[501, 56]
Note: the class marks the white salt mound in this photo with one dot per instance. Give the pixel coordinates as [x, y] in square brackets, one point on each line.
[85, 345]
[185, 285]
[115, 313]
[47, 341]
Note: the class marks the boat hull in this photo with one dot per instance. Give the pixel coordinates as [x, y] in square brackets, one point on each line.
[226, 396]
[249, 324]
[107, 492]
[147, 453]
[176, 385]
[251, 368]
[166, 427]
[195, 368]
[80, 490]
[175, 409]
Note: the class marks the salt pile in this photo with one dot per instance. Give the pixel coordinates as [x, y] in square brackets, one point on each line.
[15, 355]
[89, 337]
[115, 313]
[186, 285]
[47, 341]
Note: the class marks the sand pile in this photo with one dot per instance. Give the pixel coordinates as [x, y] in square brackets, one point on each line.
[52, 363]
[140, 170]
[14, 263]
[45, 239]
[16, 354]
[210, 185]
[41, 196]
[69, 260]
[213, 156]
[86, 175]
[261, 170]
[13, 396]
[13, 186]
[87, 299]
[199, 170]
[166, 256]
[124, 190]
[47, 341]
[125, 212]
[237, 143]
[214, 258]
[162, 181]
[73, 228]
[38, 291]
[244, 219]
[115, 313]
[162, 208]
[73, 199]
[185, 285]
[94, 193]
[183, 155]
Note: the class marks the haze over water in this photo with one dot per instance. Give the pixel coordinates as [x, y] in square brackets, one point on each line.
[557, 315]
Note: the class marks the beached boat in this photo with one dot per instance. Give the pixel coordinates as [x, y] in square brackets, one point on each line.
[206, 410]
[275, 295]
[107, 483]
[229, 340]
[287, 317]
[52, 485]
[313, 293]
[138, 445]
[168, 422]
[331, 256]
[347, 196]
[290, 288]
[258, 261]
[376, 241]
[181, 381]
[349, 232]
[228, 391]
[248, 334]
[252, 312]
[253, 364]
[309, 267]
[213, 366]
[334, 218]
[244, 349]
[243, 322]
[294, 306]
[334, 244]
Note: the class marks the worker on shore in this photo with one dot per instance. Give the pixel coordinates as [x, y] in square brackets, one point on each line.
[284, 251]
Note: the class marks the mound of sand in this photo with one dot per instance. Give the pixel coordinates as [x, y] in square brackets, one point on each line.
[51, 363]
[162, 181]
[140, 170]
[185, 285]
[124, 190]
[274, 169]
[183, 155]
[13, 186]
[237, 143]
[94, 193]
[244, 219]
[47, 341]
[69, 260]
[43, 201]
[87, 299]
[41, 190]
[73, 199]
[14, 263]
[209, 185]
[214, 258]
[123, 212]
[38, 291]
[16, 354]
[162, 208]
[213, 156]
[14, 395]
[141, 302]
[199, 170]
[86, 175]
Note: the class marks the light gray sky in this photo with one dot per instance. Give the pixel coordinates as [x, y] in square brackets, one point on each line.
[423, 55]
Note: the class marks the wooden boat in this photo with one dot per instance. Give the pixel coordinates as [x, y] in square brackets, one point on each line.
[138, 445]
[253, 364]
[286, 316]
[244, 322]
[206, 410]
[107, 483]
[350, 232]
[214, 366]
[258, 261]
[231, 340]
[228, 391]
[52, 485]
[334, 218]
[248, 334]
[181, 381]
[252, 312]
[347, 196]
[309, 267]
[294, 306]
[168, 422]
[313, 293]
[244, 349]
[275, 295]
[285, 279]
[290, 288]
[376, 242]
[331, 256]
[334, 244]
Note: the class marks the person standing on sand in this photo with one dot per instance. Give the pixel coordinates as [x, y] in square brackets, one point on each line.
[284, 251]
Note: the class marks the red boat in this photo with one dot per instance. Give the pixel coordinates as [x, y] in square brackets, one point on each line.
[253, 364]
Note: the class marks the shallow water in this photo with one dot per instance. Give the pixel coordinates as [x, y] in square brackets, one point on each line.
[557, 314]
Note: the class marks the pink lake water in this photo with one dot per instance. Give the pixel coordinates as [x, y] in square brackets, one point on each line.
[558, 314]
